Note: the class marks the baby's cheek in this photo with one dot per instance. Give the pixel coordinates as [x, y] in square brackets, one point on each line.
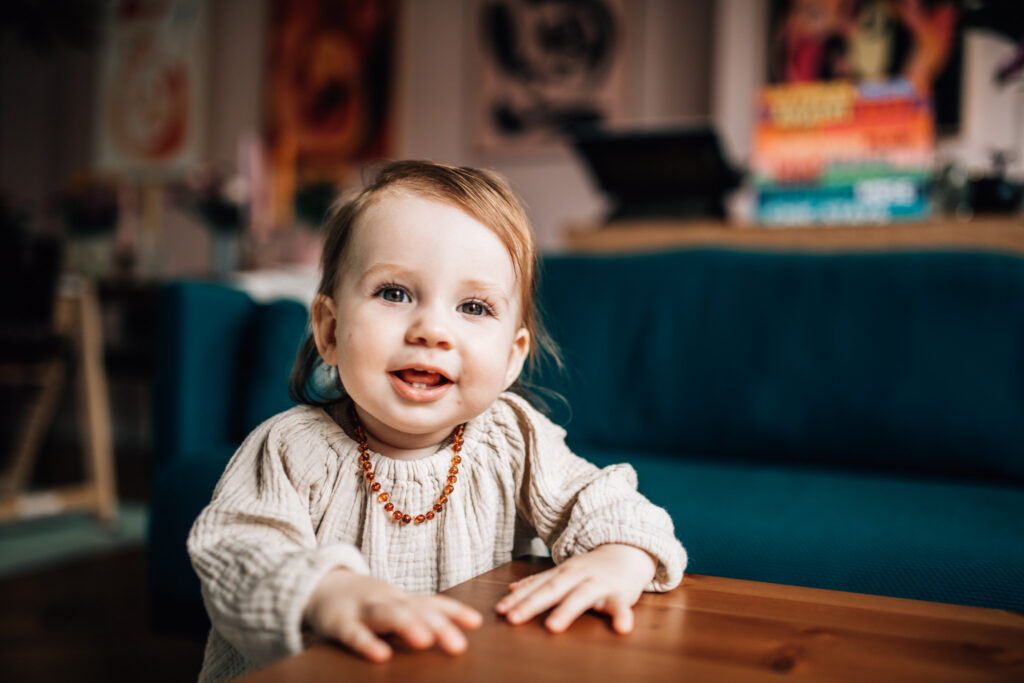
[484, 385]
[349, 348]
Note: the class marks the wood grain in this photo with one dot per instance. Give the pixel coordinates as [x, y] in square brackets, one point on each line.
[709, 629]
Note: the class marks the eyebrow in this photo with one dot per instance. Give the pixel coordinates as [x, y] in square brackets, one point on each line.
[379, 269]
[489, 288]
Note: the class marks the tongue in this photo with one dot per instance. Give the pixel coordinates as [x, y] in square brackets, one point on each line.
[419, 377]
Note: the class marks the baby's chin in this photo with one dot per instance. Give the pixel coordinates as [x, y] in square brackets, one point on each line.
[410, 433]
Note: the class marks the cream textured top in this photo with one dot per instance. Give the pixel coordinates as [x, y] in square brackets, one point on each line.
[293, 505]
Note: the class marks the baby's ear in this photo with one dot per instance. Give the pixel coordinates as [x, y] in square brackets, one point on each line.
[517, 356]
[324, 328]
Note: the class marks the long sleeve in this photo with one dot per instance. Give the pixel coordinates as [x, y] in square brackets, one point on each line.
[575, 507]
[255, 547]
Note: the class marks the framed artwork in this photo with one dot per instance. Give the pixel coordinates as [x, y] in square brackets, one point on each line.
[872, 40]
[329, 92]
[151, 84]
[542, 67]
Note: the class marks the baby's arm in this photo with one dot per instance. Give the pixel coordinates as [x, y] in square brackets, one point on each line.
[608, 579]
[609, 542]
[354, 609]
[254, 546]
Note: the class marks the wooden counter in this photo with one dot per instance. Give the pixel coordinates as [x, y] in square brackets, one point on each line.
[999, 233]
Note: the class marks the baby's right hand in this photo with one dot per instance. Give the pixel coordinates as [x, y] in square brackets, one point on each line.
[354, 609]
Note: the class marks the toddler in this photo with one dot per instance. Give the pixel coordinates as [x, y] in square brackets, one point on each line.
[413, 468]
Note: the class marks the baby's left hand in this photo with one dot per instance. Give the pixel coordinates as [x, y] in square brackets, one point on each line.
[608, 579]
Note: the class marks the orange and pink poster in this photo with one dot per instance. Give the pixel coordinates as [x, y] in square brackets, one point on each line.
[150, 104]
[329, 92]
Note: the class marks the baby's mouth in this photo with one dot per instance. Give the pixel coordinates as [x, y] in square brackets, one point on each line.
[421, 379]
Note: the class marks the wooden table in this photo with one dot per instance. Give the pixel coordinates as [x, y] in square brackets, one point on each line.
[709, 629]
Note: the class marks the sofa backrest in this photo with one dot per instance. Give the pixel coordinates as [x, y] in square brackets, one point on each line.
[906, 361]
[223, 365]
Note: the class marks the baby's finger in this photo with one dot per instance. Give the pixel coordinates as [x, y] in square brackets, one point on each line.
[621, 613]
[527, 580]
[361, 640]
[518, 590]
[582, 598]
[462, 614]
[447, 635]
[549, 593]
[401, 621]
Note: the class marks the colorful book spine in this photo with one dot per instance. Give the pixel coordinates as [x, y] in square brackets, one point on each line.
[842, 153]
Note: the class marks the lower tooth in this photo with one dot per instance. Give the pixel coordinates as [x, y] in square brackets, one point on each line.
[419, 385]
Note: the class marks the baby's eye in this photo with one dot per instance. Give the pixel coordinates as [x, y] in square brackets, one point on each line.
[394, 295]
[475, 308]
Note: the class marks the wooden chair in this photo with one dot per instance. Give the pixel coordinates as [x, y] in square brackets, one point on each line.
[51, 331]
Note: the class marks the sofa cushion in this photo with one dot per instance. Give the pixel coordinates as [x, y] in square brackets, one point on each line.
[888, 361]
[886, 535]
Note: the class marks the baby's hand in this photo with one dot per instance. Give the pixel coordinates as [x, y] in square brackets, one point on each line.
[354, 609]
[608, 579]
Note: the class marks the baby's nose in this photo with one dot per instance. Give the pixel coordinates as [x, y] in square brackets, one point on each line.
[429, 329]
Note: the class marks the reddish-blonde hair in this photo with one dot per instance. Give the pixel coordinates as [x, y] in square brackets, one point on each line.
[482, 195]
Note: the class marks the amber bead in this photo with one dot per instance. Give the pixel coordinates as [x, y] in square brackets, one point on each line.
[384, 496]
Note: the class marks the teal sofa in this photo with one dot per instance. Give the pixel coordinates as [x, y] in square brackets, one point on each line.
[850, 421]
[222, 368]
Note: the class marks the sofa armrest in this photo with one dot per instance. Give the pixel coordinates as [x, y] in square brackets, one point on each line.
[200, 337]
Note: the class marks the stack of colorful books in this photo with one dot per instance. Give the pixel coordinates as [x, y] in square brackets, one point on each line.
[841, 152]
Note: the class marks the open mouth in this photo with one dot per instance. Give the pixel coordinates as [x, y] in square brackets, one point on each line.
[421, 379]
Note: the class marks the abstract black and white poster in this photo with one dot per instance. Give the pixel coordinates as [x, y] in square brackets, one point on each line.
[543, 67]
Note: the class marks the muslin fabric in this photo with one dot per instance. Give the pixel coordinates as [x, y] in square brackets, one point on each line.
[292, 505]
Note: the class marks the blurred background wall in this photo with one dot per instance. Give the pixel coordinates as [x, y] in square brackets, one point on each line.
[688, 60]
[47, 106]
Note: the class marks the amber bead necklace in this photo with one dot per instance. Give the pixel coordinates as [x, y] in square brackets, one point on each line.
[385, 497]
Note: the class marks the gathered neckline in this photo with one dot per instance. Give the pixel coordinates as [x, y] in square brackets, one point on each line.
[343, 440]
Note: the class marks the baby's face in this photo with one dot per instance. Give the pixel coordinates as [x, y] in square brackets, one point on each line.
[428, 320]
